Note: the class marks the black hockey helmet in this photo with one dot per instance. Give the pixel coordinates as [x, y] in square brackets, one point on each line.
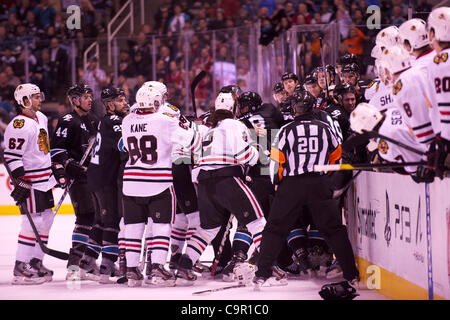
[351, 67]
[278, 87]
[289, 75]
[235, 89]
[304, 102]
[342, 89]
[348, 58]
[109, 94]
[286, 106]
[249, 99]
[78, 90]
[311, 78]
[329, 68]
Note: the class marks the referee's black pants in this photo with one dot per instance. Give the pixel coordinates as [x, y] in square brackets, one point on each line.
[315, 192]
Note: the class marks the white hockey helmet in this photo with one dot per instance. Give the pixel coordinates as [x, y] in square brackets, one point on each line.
[415, 32]
[225, 101]
[161, 87]
[396, 59]
[364, 117]
[439, 21]
[388, 37]
[376, 52]
[26, 90]
[149, 98]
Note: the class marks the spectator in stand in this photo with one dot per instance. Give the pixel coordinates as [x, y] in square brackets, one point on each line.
[161, 70]
[176, 23]
[249, 5]
[355, 41]
[303, 9]
[140, 65]
[13, 80]
[88, 19]
[397, 16]
[219, 21]
[162, 18]
[126, 65]
[204, 61]
[325, 11]
[344, 21]
[60, 61]
[271, 6]
[12, 23]
[43, 75]
[6, 95]
[94, 77]
[21, 9]
[31, 24]
[175, 76]
[8, 59]
[45, 14]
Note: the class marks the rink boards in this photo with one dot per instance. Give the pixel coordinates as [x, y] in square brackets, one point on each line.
[400, 231]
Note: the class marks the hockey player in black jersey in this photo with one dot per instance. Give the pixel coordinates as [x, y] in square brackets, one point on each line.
[351, 74]
[68, 145]
[102, 175]
[262, 120]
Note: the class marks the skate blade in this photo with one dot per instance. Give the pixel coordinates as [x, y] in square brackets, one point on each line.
[18, 280]
[134, 283]
[273, 282]
[157, 282]
[181, 282]
[89, 276]
[106, 279]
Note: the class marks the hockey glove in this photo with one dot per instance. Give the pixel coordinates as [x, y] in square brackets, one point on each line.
[423, 174]
[436, 156]
[21, 191]
[338, 291]
[74, 170]
[60, 175]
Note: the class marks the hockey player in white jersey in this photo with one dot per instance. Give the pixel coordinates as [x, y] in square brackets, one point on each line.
[439, 81]
[383, 98]
[414, 37]
[410, 95]
[390, 124]
[225, 151]
[149, 137]
[27, 153]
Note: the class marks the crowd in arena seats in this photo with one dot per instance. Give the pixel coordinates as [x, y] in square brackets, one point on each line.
[41, 25]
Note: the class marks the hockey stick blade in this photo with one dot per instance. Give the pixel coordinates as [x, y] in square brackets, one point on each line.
[364, 166]
[337, 193]
[222, 243]
[24, 209]
[206, 292]
[194, 85]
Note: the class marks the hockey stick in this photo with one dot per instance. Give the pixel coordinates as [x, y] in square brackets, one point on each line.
[194, 85]
[364, 166]
[205, 292]
[24, 209]
[337, 193]
[323, 66]
[222, 243]
[83, 159]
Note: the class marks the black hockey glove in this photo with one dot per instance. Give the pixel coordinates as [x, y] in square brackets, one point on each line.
[338, 291]
[74, 170]
[21, 191]
[423, 174]
[60, 175]
[436, 156]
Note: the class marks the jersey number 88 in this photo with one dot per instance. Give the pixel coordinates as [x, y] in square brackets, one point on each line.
[144, 149]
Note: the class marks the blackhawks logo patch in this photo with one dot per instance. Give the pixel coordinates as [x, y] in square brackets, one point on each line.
[443, 57]
[397, 87]
[382, 147]
[171, 106]
[43, 141]
[370, 84]
[19, 123]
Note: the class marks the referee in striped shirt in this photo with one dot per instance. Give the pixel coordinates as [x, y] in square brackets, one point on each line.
[299, 146]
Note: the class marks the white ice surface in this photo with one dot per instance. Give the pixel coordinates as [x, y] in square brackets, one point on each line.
[60, 289]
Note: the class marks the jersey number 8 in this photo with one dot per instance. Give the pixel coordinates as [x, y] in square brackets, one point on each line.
[144, 149]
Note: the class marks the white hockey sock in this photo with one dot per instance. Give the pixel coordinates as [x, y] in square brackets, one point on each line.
[133, 243]
[199, 241]
[256, 228]
[178, 233]
[148, 236]
[43, 222]
[121, 235]
[26, 241]
[160, 242]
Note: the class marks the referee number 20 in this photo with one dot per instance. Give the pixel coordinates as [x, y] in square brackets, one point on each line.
[144, 149]
[308, 144]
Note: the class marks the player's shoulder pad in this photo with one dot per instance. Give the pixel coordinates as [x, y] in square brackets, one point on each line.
[397, 87]
[440, 58]
[171, 106]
